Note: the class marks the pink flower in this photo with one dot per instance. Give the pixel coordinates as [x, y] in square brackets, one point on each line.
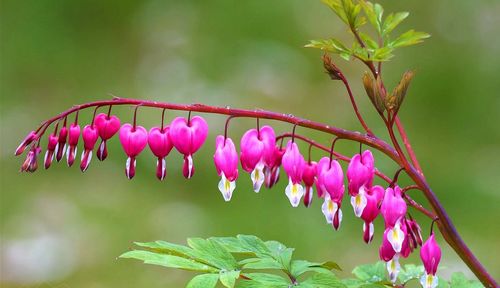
[226, 163]
[360, 178]
[430, 253]
[74, 134]
[27, 141]
[51, 148]
[90, 137]
[330, 181]
[360, 172]
[61, 143]
[133, 140]
[187, 137]
[371, 210]
[414, 232]
[309, 178]
[293, 164]
[272, 171]
[107, 126]
[393, 210]
[160, 144]
[257, 151]
[30, 164]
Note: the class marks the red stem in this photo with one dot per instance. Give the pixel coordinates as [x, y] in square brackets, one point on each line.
[407, 144]
[445, 224]
[354, 105]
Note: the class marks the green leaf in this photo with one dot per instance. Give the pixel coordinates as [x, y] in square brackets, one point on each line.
[322, 280]
[261, 263]
[337, 7]
[299, 267]
[246, 244]
[170, 261]
[168, 248]
[203, 281]
[382, 54]
[280, 253]
[263, 280]
[409, 38]
[410, 272]
[213, 252]
[458, 280]
[228, 278]
[370, 272]
[330, 45]
[370, 43]
[392, 21]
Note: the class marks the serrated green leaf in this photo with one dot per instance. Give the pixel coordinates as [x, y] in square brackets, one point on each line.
[382, 54]
[370, 272]
[370, 43]
[410, 272]
[337, 8]
[458, 280]
[228, 278]
[204, 281]
[246, 244]
[170, 261]
[409, 38]
[262, 263]
[299, 267]
[168, 248]
[263, 280]
[213, 252]
[330, 45]
[392, 21]
[280, 253]
[322, 280]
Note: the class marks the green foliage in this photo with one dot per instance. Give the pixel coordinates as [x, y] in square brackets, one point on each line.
[233, 261]
[365, 47]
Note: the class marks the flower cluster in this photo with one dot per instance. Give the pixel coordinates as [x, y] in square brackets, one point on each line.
[261, 156]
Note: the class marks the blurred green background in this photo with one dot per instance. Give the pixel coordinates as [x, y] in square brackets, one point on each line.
[62, 228]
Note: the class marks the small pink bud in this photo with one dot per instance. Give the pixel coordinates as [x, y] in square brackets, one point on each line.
[133, 140]
[107, 127]
[430, 253]
[188, 137]
[51, 147]
[161, 145]
[89, 136]
[74, 135]
[360, 172]
[61, 143]
[309, 179]
[272, 172]
[27, 141]
[30, 164]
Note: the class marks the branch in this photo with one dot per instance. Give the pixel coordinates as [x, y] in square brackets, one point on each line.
[407, 144]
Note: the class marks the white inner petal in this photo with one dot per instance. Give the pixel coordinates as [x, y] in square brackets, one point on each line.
[393, 268]
[327, 209]
[226, 187]
[358, 203]
[190, 166]
[294, 192]
[429, 281]
[396, 237]
[257, 177]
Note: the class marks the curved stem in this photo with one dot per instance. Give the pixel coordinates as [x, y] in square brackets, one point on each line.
[445, 224]
[407, 144]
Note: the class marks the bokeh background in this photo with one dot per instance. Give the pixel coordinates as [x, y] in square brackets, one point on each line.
[62, 228]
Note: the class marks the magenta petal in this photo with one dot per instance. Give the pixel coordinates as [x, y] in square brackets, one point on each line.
[293, 162]
[430, 253]
[27, 141]
[107, 127]
[159, 141]
[133, 140]
[187, 139]
[226, 158]
[393, 206]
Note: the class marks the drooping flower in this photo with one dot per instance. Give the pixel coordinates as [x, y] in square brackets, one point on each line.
[390, 255]
[26, 141]
[272, 171]
[133, 139]
[74, 135]
[430, 253]
[330, 179]
[309, 178]
[257, 151]
[160, 144]
[360, 174]
[107, 127]
[187, 137]
[393, 209]
[293, 164]
[371, 210]
[226, 163]
[61, 143]
[30, 164]
[414, 232]
[89, 136]
[51, 148]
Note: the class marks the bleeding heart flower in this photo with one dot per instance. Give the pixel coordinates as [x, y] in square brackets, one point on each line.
[107, 127]
[133, 140]
[187, 137]
[393, 206]
[430, 253]
[371, 210]
[161, 145]
[257, 152]
[27, 141]
[74, 135]
[332, 212]
[61, 143]
[331, 181]
[51, 148]
[293, 164]
[360, 172]
[90, 137]
[226, 163]
[272, 172]
[309, 178]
